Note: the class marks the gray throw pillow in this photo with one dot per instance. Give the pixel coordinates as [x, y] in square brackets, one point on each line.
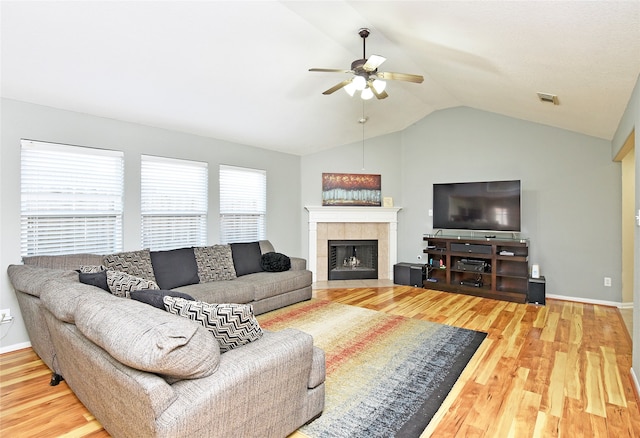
[155, 297]
[174, 268]
[246, 257]
[97, 279]
[148, 339]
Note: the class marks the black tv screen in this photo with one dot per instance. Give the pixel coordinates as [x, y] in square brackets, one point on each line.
[482, 206]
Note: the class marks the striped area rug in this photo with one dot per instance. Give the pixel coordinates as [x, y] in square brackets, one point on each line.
[386, 375]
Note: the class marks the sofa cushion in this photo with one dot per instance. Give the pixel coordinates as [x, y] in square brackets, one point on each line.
[275, 262]
[223, 291]
[97, 279]
[148, 339]
[136, 263]
[232, 325]
[154, 297]
[270, 284]
[121, 284]
[30, 279]
[174, 268]
[61, 297]
[246, 258]
[215, 263]
[67, 262]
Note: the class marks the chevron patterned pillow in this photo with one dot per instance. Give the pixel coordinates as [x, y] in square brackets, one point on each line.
[232, 325]
[136, 263]
[215, 263]
[121, 284]
[91, 269]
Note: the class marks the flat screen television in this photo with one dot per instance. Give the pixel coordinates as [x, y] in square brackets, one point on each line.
[482, 206]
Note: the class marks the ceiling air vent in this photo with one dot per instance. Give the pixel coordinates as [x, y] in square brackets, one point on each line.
[550, 98]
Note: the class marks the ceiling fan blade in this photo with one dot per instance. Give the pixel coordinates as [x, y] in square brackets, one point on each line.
[400, 77]
[373, 62]
[338, 86]
[330, 70]
[382, 95]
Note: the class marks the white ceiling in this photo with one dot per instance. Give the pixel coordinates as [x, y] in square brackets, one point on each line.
[238, 70]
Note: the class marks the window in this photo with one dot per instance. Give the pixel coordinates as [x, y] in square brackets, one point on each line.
[243, 204]
[174, 200]
[71, 199]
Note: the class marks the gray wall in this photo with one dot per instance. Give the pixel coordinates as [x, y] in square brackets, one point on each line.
[23, 120]
[571, 189]
[380, 155]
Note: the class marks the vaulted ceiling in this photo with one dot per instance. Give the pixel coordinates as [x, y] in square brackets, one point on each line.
[238, 70]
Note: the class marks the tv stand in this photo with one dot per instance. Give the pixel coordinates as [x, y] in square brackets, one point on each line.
[487, 267]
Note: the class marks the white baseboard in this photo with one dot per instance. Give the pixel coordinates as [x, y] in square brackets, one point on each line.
[635, 381]
[14, 347]
[590, 301]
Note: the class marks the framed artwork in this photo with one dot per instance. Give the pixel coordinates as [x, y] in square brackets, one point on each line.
[351, 189]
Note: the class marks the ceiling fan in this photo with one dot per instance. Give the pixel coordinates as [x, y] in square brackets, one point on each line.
[366, 77]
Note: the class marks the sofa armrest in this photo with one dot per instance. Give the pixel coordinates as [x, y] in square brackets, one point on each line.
[260, 389]
[298, 264]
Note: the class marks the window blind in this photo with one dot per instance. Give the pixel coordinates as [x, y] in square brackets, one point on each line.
[243, 204]
[174, 202]
[71, 199]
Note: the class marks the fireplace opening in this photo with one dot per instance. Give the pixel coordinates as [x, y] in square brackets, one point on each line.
[353, 259]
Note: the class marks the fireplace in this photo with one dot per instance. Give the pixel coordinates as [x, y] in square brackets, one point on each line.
[342, 223]
[352, 259]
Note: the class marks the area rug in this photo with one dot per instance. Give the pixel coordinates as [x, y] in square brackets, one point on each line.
[386, 375]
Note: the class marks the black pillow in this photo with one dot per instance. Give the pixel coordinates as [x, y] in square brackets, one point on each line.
[275, 262]
[97, 279]
[154, 297]
[246, 257]
[175, 268]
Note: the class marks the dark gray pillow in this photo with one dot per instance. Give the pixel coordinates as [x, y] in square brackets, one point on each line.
[97, 279]
[275, 262]
[175, 268]
[155, 297]
[246, 257]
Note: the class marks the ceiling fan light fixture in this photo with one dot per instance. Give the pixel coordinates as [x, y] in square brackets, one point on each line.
[366, 94]
[350, 89]
[359, 82]
[379, 85]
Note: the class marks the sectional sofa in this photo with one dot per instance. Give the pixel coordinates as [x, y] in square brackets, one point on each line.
[209, 370]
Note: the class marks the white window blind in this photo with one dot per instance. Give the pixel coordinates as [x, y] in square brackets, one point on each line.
[243, 204]
[174, 201]
[71, 199]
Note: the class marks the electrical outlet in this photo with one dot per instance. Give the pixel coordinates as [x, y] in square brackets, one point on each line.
[607, 281]
[5, 316]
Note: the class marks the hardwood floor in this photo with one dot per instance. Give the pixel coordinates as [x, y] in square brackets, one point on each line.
[560, 370]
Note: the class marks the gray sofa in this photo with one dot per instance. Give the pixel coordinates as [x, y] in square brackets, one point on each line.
[143, 372]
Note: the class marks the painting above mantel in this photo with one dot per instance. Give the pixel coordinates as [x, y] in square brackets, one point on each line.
[351, 189]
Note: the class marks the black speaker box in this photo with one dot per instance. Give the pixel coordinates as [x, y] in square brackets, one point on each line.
[536, 293]
[471, 248]
[408, 274]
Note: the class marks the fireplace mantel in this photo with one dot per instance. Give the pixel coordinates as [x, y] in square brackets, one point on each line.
[319, 214]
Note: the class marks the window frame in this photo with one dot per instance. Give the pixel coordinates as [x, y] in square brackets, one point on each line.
[243, 208]
[71, 199]
[183, 186]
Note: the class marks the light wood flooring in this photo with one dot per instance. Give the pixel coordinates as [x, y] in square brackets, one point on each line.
[560, 370]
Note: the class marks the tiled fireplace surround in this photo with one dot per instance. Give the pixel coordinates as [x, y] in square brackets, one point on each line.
[344, 223]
